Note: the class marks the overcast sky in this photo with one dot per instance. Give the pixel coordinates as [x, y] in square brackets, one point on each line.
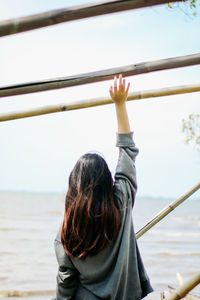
[37, 154]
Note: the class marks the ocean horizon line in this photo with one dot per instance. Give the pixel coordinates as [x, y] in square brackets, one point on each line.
[62, 193]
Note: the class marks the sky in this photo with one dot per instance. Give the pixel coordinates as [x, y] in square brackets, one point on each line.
[38, 153]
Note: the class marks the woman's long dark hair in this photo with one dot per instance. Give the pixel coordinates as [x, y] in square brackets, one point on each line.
[91, 218]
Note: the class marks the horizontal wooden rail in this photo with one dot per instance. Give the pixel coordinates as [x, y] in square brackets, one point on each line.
[183, 290]
[99, 101]
[135, 69]
[57, 16]
[163, 213]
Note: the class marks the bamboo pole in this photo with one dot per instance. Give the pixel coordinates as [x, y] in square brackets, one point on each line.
[163, 213]
[57, 16]
[135, 69]
[99, 101]
[182, 291]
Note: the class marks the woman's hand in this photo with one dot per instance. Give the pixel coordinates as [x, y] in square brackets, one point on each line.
[119, 95]
[119, 92]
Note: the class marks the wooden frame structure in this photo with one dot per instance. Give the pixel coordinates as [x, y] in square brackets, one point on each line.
[130, 70]
[184, 289]
[163, 213]
[85, 11]
[67, 106]
[57, 16]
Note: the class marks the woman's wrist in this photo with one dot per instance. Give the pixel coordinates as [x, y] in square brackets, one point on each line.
[122, 118]
[120, 104]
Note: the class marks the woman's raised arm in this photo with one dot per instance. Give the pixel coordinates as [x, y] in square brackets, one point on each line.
[119, 94]
[125, 175]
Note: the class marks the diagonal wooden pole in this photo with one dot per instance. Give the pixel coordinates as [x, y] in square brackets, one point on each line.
[163, 213]
[183, 290]
[57, 16]
[99, 101]
[135, 69]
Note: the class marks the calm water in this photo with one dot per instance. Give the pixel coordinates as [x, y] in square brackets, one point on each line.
[29, 222]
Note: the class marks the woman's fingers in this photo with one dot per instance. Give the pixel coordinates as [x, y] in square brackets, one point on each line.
[120, 81]
[111, 91]
[124, 83]
[127, 88]
[115, 84]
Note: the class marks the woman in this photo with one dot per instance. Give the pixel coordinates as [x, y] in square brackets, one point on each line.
[96, 248]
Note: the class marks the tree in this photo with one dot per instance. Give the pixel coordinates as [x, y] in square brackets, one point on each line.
[188, 6]
[191, 129]
[190, 125]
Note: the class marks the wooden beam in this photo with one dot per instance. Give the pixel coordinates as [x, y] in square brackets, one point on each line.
[99, 101]
[57, 16]
[183, 290]
[163, 213]
[130, 70]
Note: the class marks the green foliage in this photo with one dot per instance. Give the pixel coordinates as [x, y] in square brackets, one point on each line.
[189, 7]
[169, 5]
[191, 129]
[193, 6]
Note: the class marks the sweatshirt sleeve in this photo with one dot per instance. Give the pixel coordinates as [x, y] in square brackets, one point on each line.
[67, 277]
[125, 174]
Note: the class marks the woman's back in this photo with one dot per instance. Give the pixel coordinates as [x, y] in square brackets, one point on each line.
[89, 204]
[116, 272]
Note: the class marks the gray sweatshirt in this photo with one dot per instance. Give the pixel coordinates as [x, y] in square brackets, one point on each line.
[116, 272]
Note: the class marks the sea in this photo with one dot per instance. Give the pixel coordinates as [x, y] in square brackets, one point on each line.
[29, 223]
